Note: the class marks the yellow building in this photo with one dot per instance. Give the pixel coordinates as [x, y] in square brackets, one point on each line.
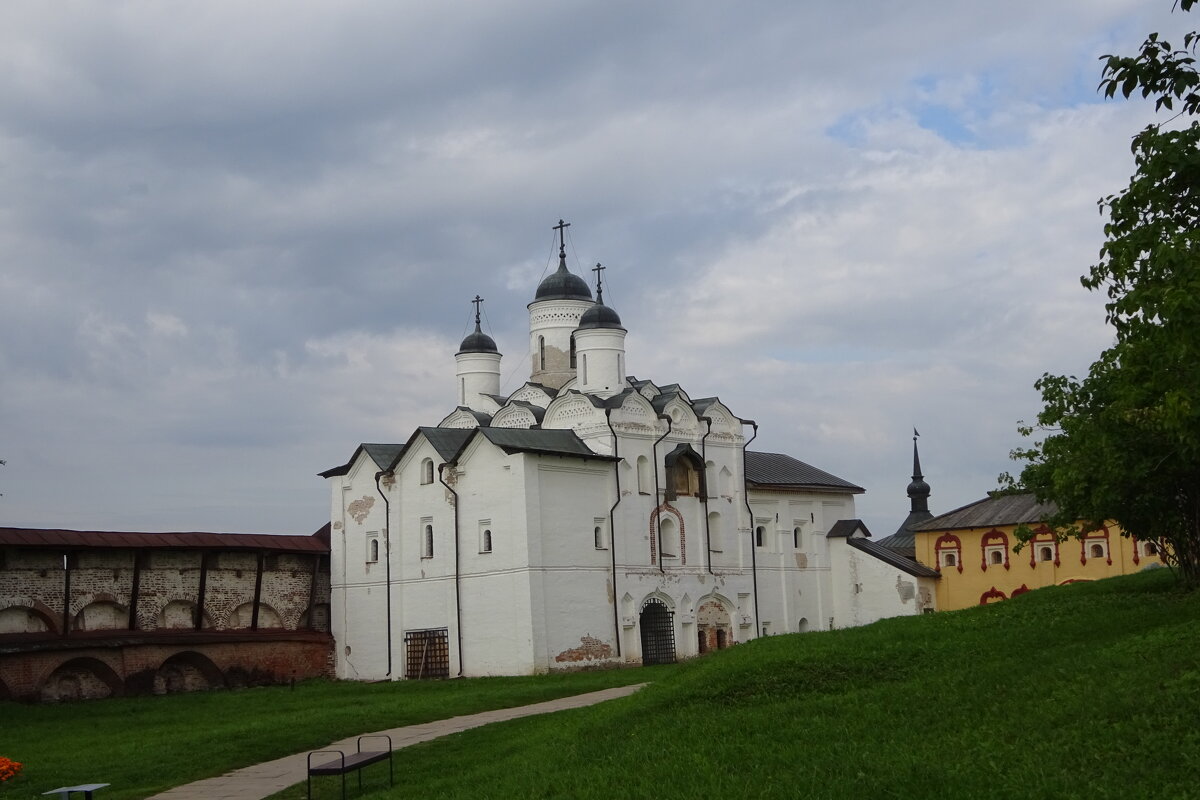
[972, 548]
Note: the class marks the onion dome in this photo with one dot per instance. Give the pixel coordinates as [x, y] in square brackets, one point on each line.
[477, 341]
[600, 315]
[562, 284]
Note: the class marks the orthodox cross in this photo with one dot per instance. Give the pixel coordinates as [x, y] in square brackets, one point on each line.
[561, 227]
[477, 301]
[599, 289]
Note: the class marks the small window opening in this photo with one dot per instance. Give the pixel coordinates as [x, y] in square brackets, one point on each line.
[373, 550]
[1150, 548]
[573, 357]
[486, 545]
[541, 352]
[427, 549]
[427, 471]
[949, 560]
[1097, 551]
[997, 557]
[760, 534]
[1046, 554]
[796, 538]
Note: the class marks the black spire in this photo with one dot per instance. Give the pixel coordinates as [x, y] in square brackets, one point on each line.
[918, 490]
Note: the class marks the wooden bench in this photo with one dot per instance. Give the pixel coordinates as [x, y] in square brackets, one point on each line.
[351, 763]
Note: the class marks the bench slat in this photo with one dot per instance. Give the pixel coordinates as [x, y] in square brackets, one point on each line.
[353, 761]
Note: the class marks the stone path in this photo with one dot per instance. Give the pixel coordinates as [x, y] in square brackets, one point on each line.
[264, 780]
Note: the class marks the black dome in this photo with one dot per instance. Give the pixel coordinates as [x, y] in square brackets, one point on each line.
[478, 342]
[562, 285]
[918, 488]
[600, 316]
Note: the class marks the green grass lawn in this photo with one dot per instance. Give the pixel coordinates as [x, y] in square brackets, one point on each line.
[143, 745]
[1085, 691]
[1090, 690]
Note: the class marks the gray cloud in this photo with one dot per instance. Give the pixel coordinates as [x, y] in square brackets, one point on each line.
[237, 240]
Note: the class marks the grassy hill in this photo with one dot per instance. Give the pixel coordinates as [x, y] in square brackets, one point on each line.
[1090, 690]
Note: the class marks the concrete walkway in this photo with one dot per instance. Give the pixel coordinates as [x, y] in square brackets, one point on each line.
[264, 780]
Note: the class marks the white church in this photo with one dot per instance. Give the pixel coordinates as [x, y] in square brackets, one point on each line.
[588, 518]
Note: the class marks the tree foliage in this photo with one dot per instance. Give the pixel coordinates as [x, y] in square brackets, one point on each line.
[1123, 443]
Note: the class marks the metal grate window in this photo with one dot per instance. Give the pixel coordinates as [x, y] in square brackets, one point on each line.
[658, 633]
[427, 654]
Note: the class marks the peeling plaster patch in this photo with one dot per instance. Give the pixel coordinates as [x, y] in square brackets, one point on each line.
[360, 508]
[906, 589]
[802, 560]
[389, 480]
[590, 649]
[612, 595]
[337, 526]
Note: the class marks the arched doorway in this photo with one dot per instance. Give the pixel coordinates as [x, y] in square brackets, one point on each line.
[713, 625]
[658, 632]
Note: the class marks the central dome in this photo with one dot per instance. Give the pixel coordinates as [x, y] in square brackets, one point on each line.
[562, 284]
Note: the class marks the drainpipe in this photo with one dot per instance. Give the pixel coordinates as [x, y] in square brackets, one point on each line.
[750, 511]
[457, 575]
[707, 532]
[657, 505]
[387, 564]
[612, 531]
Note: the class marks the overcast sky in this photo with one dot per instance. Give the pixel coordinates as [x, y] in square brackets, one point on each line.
[237, 239]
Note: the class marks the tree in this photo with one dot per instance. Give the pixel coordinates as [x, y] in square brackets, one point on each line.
[1123, 443]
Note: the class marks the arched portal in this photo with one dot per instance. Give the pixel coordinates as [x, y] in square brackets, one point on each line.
[657, 624]
[187, 672]
[80, 679]
[714, 625]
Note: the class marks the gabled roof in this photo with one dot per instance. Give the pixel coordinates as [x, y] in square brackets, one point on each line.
[556, 442]
[889, 556]
[382, 454]
[447, 441]
[776, 470]
[845, 528]
[999, 509]
[70, 539]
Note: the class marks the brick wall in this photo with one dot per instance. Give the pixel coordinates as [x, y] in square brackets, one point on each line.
[92, 650]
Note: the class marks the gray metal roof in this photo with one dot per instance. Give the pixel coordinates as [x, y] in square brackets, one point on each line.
[535, 440]
[70, 539]
[889, 556]
[1000, 509]
[845, 528]
[778, 470]
[447, 441]
[382, 454]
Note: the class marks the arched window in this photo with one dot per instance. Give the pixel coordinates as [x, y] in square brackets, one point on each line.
[541, 352]
[685, 480]
[374, 550]
[1097, 551]
[760, 536]
[486, 544]
[427, 543]
[949, 559]
[583, 375]
[1149, 549]
[427, 471]
[600, 533]
[797, 537]
[996, 556]
[573, 355]
[668, 537]
[1046, 554]
[645, 479]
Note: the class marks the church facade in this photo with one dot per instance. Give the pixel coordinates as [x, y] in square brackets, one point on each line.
[586, 518]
